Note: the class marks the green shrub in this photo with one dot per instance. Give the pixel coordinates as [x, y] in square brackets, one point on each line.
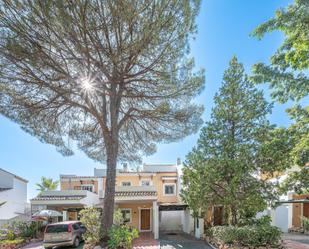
[305, 223]
[254, 235]
[10, 235]
[12, 242]
[118, 219]
[121, 236]
[264, 220]
[91, 219]
[25, 229]
[223, 234]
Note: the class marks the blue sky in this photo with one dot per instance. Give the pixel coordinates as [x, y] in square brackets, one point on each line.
[223, 31]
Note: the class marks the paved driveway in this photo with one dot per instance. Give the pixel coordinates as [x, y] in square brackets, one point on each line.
[39, 245]
[296, 241]
[181, 241]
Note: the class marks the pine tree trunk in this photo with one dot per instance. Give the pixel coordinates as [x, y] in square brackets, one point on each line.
[234, 216]
[109, 197]
[111, 143]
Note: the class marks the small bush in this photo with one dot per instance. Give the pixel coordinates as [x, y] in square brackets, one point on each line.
[25, 229]
[3, 233]
[118, 219]
[254, 235]
[12, 242]
[91, 219]
[305, 223]
[10, 235]
[121, 236]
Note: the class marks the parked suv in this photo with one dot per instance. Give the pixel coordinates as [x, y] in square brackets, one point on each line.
[68, 233]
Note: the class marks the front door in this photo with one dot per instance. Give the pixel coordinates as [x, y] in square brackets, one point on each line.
[145, 219]
[296, 215]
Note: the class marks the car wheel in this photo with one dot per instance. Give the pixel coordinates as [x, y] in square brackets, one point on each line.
[76, 242]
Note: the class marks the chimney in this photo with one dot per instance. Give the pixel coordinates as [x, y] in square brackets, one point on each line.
[178, 161]
[125, 167]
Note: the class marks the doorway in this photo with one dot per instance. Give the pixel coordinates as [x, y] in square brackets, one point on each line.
[145, 219]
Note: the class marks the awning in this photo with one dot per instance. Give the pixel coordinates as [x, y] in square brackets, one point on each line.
[62, 197]
[172, 207]
[294, 201]
[47, 213]
[135, 193]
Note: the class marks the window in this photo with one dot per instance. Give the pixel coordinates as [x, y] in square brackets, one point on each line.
[145, 183]
[126, 215]
[126, 184]
[87, 187]
[169, 189]
[57, 228]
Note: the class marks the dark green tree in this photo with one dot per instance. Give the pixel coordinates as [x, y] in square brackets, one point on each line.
[225, 166]
[287, 76]
[298, 154]
[110, 76]
[287, 73]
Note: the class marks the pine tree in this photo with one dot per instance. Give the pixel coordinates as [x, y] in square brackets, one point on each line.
[224, 167]
[111, 77]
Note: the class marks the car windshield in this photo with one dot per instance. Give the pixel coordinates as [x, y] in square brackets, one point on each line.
[57, 229]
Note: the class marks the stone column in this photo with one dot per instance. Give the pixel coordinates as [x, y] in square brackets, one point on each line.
[100, 188]
[65, 215]
[155, 220]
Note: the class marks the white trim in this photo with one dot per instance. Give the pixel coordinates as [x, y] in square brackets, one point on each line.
[55, 202]
[169, 184]
[127, 209]
[135, 198]
[170, 178]
[140, 173]
[140, 219]
[126, 185]
[78, 179]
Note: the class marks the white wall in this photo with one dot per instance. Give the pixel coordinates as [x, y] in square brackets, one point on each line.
[159, 168]
[199, 230]
[187, 222]
[280, 217]
[170, 220]
[16, 200]
[6, 179]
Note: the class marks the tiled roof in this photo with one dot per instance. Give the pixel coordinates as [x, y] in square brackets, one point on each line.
[141, 193]
[75, 176]
[62, 195]
[57, 198]
[135, 191]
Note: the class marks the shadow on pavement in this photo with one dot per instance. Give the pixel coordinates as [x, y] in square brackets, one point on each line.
[181, 241]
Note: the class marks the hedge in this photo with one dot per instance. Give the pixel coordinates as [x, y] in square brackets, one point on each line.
[252, 236]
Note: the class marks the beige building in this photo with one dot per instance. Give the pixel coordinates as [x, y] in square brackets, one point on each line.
[149, 199]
